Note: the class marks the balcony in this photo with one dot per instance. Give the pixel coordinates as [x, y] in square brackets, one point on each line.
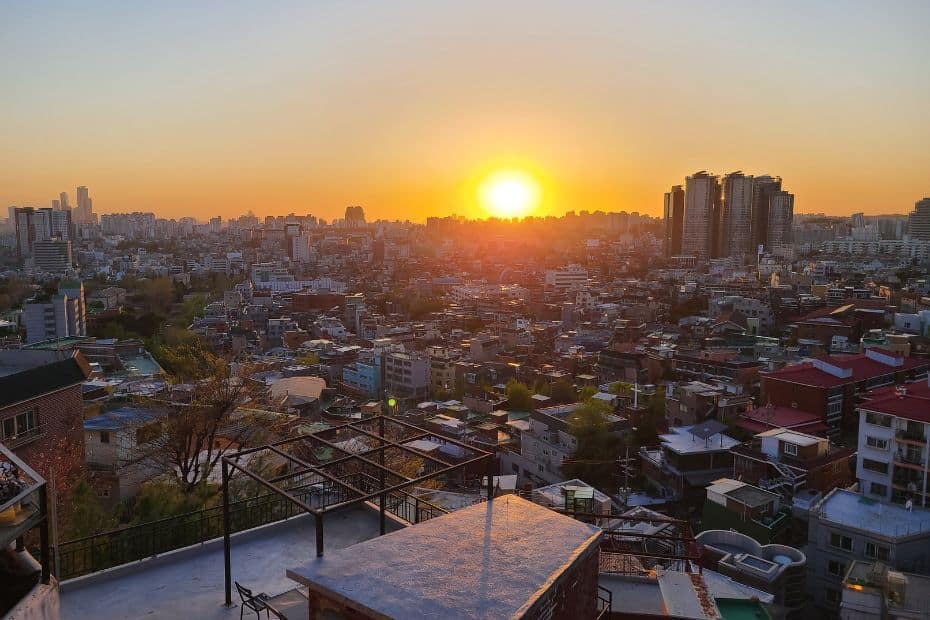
[911, 437]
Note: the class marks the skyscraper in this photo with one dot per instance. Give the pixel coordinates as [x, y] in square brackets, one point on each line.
[918, 223]
[781, 218]
[355, 216]
[762, 189]
[674, 220]
[85, 209]
[24, 221]
[63, 200]
[702, 199]
[735, 227]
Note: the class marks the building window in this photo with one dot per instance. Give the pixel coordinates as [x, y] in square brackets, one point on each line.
[791, 449]
[878, 489]
[877, 419]
[876, 466]
[876, 552]
[876, 442]
[18, 425]
[104, 436]
[835, 568]
[832, 596]
[841, 542]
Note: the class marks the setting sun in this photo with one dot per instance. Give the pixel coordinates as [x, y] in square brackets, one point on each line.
[509, 193]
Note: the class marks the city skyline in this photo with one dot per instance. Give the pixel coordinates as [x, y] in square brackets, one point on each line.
[406, 109]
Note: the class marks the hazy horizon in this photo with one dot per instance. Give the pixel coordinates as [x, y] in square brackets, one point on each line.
[405, 107]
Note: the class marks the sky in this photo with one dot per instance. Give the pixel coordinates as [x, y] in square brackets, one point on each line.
[403, 107]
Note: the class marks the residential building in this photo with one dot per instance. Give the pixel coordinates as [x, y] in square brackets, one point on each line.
[740, 506]
[780, 220]
[442, 370]
[119, 453]
[846, 526]
[735, 225]
[565, 278]
[872, 590]
[702, 202]
[52, 255]
[829, 386]
[674, 220]
[894, 438]
[688, 459]
[406, 375]
[786, 462]
[364, 374]
[763, 187]
[41, 412]
[918, 222]
[777, 569]
[25, 226]
[60, 316]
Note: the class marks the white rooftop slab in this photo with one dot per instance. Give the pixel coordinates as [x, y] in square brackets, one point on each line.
[798, 439]
[489, 560]
[853, 510]
[679, 439]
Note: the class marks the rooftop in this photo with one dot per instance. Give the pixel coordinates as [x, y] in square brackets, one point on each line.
[188, 583]
[844, 507]
[682, 440]
[28, 374]
[495, 559]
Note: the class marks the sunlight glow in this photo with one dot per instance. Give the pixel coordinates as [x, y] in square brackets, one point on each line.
[509, 193]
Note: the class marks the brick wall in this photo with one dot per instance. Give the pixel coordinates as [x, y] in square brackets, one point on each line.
[60, 447]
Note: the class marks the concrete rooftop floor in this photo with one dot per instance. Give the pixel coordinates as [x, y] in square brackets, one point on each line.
[188, 583]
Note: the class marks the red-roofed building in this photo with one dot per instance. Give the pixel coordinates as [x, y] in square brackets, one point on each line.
[847, 322]
[894, 444]
[766, 418]
[829, 387]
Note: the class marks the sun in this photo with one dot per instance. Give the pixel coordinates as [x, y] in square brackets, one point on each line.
[509, 193]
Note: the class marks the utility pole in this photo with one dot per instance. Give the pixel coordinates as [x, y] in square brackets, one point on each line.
[626, 466]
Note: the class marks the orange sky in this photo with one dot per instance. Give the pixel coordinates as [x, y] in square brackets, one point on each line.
[402, 107]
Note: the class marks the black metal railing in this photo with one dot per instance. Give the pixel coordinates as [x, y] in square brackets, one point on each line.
[605, 602]
[137, 542]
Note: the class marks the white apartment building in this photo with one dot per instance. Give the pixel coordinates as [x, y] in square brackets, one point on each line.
[893, 463]
[564, 278]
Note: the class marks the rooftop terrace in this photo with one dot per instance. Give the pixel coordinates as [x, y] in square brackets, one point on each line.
[188, 583]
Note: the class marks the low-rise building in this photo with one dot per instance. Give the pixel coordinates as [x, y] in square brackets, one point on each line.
[846, 526]
[688, 459]
[872, 590]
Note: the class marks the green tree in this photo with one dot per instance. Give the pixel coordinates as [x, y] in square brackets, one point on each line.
[159, 499]
[519, 396]
[595, 458]
[86, 515]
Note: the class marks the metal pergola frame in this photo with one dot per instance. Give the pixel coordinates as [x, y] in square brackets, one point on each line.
[390, 435]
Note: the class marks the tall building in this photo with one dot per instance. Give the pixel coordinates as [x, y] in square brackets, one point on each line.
[702, 199]
[52, 255]
[762, 189]
[781, 218]
[674, 220]
[918, 223]
[355, 216]
[24, 222]
[60, 316]
[60, 225]
[42, 228]
[63, 200]
[735, 227]
[85, 210]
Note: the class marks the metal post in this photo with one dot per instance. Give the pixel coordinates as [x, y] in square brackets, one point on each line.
[382, 500]
[44, 556]
[227, 566]
[491, 477]
[318, 517]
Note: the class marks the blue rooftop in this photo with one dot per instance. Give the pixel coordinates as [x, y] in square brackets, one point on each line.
[118, 419]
